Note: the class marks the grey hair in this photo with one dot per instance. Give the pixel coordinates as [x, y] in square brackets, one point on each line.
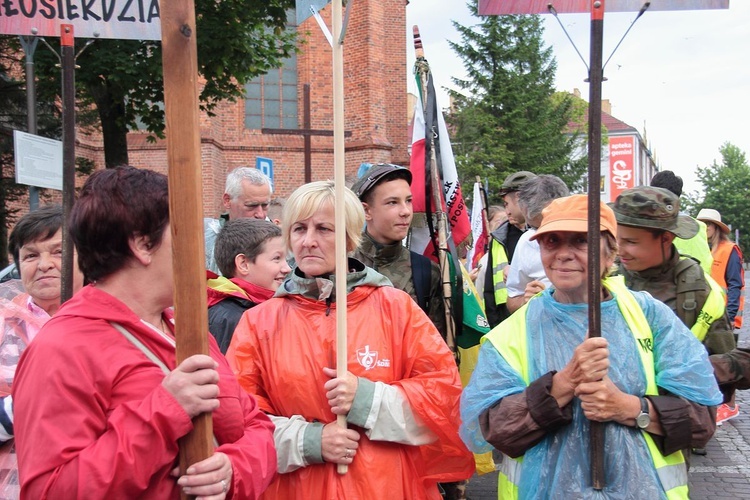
[538, 192]
[253, 175]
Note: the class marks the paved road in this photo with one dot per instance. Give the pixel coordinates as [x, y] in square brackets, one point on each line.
[723, 474]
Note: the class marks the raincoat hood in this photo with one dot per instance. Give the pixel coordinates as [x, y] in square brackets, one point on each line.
[221, 287]
[323, 287]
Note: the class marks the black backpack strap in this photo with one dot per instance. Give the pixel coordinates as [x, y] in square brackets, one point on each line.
[421, 269]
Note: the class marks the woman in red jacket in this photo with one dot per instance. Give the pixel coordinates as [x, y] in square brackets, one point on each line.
[100, 401]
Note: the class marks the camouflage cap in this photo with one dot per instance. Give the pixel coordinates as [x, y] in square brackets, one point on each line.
[514, 181]
[653, 208]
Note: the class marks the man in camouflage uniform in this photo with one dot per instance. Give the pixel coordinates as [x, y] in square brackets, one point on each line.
[648, 220]
[385, 192]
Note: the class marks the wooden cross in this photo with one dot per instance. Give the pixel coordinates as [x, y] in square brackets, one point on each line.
[307, 132]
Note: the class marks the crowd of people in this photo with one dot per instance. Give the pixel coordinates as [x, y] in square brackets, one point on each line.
[95, 404]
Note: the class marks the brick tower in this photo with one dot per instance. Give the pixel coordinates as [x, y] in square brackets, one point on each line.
[375, 93]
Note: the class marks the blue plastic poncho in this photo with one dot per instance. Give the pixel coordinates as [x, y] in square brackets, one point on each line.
[558, 467]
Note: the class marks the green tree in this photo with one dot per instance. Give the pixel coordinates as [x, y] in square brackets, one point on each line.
[506, 116]
[725, 189]
[122, 79]
[13, 117]
[12, 103]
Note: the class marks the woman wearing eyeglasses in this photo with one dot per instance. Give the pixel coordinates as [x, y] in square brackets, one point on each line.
[540, 380]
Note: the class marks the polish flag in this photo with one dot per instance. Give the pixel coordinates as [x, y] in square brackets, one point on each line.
[455, 207]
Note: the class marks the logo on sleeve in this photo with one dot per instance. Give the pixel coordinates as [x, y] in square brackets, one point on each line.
[369, 359]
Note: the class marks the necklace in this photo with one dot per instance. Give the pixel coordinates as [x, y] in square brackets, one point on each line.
[161, 331]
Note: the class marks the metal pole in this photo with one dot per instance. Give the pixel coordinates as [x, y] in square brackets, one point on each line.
[67, 52]
[29, 43]
[308, 137]
[594, 274]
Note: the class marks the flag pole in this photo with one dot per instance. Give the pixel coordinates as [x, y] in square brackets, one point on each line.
[485, 208]
[68, 63]
[422, 68]
[340, 216]
[594, 173]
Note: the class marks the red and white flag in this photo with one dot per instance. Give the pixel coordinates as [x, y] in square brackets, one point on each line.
[478, 228]
[453, 201]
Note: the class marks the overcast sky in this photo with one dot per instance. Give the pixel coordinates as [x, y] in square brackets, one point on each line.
[683, 78]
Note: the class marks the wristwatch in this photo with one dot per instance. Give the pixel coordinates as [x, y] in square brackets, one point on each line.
[643, 418]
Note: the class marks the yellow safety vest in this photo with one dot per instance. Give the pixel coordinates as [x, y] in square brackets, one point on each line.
[499, 263]
[713, 309]
[510, 340]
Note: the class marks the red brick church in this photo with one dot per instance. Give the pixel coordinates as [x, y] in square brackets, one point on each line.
[376, 118]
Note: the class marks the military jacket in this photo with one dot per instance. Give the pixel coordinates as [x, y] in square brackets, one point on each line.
[394, 262]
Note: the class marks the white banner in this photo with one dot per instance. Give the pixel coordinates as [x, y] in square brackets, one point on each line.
[122, 19]
[38, 160]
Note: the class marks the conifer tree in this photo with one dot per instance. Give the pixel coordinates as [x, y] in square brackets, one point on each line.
[507, 116]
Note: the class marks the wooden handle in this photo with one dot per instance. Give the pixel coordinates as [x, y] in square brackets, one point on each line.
[340, 215]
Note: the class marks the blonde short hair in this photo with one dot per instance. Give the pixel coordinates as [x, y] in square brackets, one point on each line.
[309, 198]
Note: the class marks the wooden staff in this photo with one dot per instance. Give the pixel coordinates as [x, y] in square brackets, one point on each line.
[423, 69]
[340, 215]
[180, 61]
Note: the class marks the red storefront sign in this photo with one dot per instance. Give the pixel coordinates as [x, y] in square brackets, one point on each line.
[621, 165]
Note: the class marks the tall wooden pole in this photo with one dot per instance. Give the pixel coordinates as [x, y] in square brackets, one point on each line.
[594, 272]
[180, 61]
[67, 59]
[340, 216]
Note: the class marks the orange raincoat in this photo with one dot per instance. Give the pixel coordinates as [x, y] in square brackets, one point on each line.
[279, 351]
